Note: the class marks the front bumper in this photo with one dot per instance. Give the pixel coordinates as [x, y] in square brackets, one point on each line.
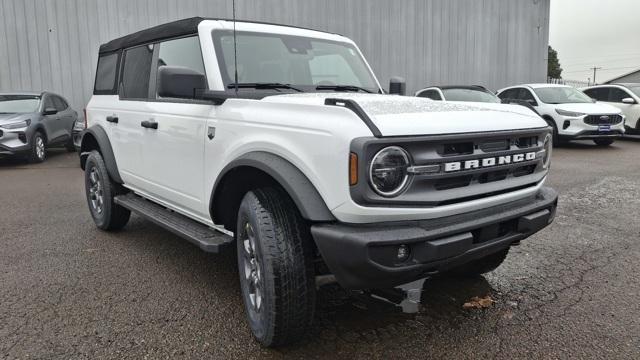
[14, 142]
[576, 129]
[364, 256]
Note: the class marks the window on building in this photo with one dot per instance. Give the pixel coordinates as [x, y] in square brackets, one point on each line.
[136, 72]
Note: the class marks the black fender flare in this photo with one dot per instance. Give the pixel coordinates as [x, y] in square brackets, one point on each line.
[100, 136]
[295, 183]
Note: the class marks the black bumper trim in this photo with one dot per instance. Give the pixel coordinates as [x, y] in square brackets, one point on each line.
[364, 256]
[593, 134]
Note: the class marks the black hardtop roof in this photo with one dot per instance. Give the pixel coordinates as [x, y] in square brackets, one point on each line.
[169, 30]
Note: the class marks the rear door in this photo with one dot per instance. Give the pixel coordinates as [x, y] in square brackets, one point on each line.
[52, 124]
[174, 152]
[131, 109]
[66, 116]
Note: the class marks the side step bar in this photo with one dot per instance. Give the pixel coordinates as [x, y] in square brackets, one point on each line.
[206, 238]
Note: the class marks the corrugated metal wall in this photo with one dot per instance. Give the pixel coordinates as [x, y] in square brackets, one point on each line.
[52, 44]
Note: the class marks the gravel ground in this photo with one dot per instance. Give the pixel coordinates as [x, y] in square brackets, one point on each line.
[68, 290]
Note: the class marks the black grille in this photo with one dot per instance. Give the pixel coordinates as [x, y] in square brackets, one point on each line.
[602, 119]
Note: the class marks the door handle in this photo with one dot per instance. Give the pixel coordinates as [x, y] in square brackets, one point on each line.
[112, 119]
[149, 124]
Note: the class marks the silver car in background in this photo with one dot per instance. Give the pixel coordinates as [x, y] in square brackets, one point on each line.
[32, 122]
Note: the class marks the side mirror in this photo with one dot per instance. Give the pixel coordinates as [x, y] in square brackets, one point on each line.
[532, 102]
[628, 100]
[50, 111]
[397, 86]
[179, 82]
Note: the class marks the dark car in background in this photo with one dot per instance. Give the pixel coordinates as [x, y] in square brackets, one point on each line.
[464, 93]
[32, 122]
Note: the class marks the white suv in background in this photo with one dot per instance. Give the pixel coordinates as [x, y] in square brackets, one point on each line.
[625, 97]
[572, 114]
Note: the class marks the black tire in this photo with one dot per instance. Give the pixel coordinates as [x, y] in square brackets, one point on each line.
[603, 142]
[100, 191]
[38, 151]
[481, 266]
[282, 268]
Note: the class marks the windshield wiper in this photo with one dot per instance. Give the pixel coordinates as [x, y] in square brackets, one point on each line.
[343, 88]
[263, 86]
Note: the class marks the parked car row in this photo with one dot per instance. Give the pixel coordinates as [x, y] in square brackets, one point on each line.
[599, 113]
[30, 123]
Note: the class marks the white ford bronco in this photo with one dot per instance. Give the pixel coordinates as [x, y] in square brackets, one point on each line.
[280, 140]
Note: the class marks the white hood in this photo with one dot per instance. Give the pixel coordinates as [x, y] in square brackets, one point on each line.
[589, 108]
[405, 115]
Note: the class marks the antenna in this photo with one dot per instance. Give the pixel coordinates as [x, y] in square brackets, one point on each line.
[235, 49]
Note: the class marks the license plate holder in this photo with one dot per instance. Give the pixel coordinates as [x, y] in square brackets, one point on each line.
[604, 128]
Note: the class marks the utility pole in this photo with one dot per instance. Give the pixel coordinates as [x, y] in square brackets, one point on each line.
[594, 73]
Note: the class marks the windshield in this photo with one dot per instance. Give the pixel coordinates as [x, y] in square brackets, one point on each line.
[471, 95]
[635, 90]
[10, 104]
[561, 95]
[303, 63]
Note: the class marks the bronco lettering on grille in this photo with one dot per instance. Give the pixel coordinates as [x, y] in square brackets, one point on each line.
[488, 162]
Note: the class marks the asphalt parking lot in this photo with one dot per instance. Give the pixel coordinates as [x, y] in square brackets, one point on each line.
[68, 290]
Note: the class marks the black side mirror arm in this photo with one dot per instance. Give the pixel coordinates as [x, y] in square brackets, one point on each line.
[213, 96]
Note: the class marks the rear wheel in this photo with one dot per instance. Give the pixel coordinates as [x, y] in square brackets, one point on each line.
[483, 265]
[603, 142]
[100, 191]
[275, 262]
[38, 152]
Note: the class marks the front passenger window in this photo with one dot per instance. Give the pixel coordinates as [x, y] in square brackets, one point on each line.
[430, 94]
[184, 53]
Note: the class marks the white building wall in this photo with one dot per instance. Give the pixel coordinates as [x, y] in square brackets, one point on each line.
[53, 44]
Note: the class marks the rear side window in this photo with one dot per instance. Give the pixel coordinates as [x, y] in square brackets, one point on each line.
[106, 74]
[136, 72]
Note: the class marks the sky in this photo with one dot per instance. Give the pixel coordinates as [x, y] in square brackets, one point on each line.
[600, 33]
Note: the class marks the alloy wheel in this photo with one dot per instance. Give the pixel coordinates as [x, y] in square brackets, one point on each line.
[40, 147]
[251, 269]
[96, 193]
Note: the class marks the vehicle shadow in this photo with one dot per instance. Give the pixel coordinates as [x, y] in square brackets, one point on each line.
[54, 156]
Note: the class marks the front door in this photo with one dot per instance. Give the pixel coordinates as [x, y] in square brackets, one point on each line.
[174, 135]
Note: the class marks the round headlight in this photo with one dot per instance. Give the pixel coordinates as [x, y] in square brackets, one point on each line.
[548, 146]
[388, 171]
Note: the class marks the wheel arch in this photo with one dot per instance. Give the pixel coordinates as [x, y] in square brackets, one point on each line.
[263, 169]
[96, 138]
[41, 129]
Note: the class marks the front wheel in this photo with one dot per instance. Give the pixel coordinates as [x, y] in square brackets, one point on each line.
[275, 262]
[100, 191]
[603, 142]
[38, 151]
